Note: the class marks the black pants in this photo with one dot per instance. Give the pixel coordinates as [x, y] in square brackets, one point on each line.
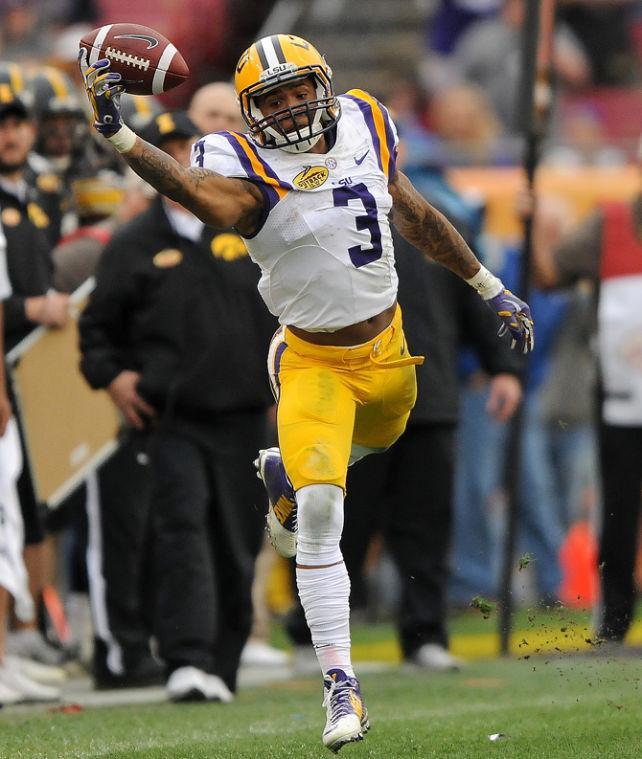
[209, 517]
[407, 493]
[120, 554]
[621, 461]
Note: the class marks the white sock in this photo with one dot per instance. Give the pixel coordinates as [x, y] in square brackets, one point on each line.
[322, 578]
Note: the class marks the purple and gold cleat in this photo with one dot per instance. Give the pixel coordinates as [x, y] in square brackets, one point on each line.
[281, 515]
[347, 719]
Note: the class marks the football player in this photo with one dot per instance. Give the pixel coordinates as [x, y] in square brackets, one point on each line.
[310, 187]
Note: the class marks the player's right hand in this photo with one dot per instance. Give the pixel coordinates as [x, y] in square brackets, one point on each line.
[103, 90]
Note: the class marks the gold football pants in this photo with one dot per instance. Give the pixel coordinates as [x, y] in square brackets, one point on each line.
[335, 404]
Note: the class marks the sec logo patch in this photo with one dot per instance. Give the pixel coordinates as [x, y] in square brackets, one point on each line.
[311, 177]
[228, 247]
[167, 258]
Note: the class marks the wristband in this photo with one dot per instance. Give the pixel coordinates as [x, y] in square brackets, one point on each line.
[123, 140]
[486, 283]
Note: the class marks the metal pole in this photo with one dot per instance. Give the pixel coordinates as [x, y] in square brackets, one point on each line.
[533, 102]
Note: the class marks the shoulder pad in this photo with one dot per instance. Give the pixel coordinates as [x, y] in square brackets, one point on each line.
[235, 155]
[381, 127]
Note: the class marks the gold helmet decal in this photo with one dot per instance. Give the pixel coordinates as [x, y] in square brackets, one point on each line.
[279, 60]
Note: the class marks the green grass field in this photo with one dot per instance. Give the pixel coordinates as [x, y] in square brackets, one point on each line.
[573, 706]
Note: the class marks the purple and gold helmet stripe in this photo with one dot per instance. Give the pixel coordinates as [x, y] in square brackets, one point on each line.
[276, 42]
[270, 51]
[262, 56]
[378, 122]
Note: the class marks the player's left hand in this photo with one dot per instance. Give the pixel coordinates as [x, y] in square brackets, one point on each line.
[103, 90]
[516, 319]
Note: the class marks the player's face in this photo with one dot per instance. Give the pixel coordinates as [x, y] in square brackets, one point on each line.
[17, 136]
[293, 96]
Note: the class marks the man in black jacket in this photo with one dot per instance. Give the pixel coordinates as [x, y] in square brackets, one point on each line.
[173, 304]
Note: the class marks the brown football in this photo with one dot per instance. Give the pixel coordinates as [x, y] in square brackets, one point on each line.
[147, 61]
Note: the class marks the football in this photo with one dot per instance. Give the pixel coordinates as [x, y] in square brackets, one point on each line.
[147, 61]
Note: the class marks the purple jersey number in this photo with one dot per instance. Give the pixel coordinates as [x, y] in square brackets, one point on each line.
[369, 221]
[199, 147]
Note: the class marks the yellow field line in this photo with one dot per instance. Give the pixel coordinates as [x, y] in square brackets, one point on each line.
[486, 645]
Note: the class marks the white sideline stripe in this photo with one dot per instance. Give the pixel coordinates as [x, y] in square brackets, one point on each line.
[270, 53]
[158, 82]
[97, 587]
[98, 43]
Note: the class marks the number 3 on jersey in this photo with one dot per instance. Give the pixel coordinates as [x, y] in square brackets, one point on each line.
[341, 196]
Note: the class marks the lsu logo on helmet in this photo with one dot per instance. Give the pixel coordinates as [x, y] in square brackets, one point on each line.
[270, 63]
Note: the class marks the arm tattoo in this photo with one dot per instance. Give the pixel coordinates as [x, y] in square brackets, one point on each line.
[188, 186]
[429, 230]
[167, 175]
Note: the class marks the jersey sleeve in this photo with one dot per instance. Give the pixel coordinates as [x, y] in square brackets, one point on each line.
[233, 155]
[216, 152]
[381, 127]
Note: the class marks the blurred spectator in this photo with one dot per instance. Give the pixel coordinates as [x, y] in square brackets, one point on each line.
[32, 302]
[405, 99]
[64, 149]
[582, 141]
[451, 18]
[23, 31]
[138, 110]
[97, 201]
[489, 54]
[555, 455]
[103, 203]
[606, 248]
[171, 296]
[604, 28]
[214, 108]
[463, 118]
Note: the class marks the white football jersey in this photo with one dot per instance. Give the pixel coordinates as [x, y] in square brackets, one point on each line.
[324, 246]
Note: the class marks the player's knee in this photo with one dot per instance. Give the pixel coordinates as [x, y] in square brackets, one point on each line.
[320, 463]
[320, 518]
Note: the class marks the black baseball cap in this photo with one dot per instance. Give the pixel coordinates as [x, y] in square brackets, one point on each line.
[11, 103]
[168, 125]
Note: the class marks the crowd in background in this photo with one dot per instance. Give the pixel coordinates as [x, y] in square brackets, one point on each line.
[456, 110]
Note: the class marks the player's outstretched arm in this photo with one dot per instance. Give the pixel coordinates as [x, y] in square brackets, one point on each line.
[429, 230]
[431, 233]
[217, 200]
